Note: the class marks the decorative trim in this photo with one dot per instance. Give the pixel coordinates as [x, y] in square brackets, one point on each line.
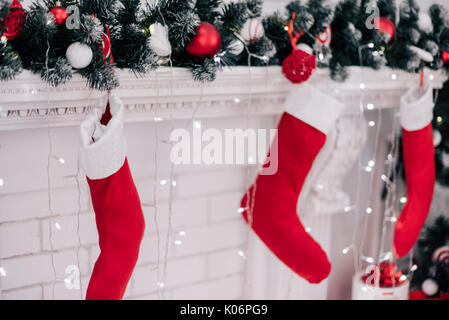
[27, 102]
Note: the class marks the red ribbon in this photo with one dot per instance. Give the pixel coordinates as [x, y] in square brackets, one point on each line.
[389, 276]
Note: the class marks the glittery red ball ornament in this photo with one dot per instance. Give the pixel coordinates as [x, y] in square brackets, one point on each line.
[206, 43]
[445, 56]
[14, 21]
[60, 14]
[386, 27]
[298, 66]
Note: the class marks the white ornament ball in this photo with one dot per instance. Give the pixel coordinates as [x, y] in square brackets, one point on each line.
[437, 138]
[304, 47]
[236, 47]
[79, 55]
[429, 287]
[158, 41]
[425, 22]
[252, 30]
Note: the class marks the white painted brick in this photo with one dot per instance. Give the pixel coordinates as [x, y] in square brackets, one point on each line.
[151, 296]
[19, 238]
[179, 272]
[149, 249]
[197, 183]
[67, 236]
[26, 271]
[228, 288]
[212, 237]
[224, 263]
[34, 269]
[224, 206]
[23, 206]
[32, 293]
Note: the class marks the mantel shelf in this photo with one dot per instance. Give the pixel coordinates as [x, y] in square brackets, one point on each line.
[27, 102]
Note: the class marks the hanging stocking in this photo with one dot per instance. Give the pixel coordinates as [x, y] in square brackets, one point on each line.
[418, 150]
[309, 115]
[115, 200]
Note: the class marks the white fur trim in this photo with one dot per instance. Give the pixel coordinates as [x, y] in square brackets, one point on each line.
[417, 107]
[105, 156]
[313, 106]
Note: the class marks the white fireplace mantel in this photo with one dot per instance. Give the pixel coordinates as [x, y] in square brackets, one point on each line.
[27, 102]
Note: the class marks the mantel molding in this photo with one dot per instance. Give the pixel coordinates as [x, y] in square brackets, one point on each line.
[27, 102]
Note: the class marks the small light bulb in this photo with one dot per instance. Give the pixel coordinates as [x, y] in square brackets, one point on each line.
[2, 272]
[3, 39]
[403, 277]
[394, 76]
[237, 100]
[241, 254]
[365, 289]
[345, 250]
[58, 226]
[362, 86]
[403, 200]
[348, 208]
[320, 186]
[320, 56]
[61, 160]
[67, 280]
[414, 267]
[2, 182]
[197, 124]
[157, 119]
[182, 233]
[370, 106]
[250, 160]
[286, 28]
[241, 210]
[367, 259]
[369, 210]
[161, 284]
[371, 45]
[371, 163]
[308, 229]
[163, 182]
[178, 242]
[371, 123]
[431, 77]
[368, 169]
[173, 183]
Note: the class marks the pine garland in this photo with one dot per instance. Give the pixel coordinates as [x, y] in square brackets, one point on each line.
[41, 45]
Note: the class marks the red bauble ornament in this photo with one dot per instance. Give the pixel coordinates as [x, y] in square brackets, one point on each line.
[298, 66]
[387, 27]
[14, 21]
[106, 48]
[445, 56]
[59, 13]
[206, 43]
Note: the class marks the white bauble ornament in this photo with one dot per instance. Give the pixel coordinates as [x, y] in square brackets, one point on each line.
[158, 41]
[437, 138]
[422, 54]
[304, 47]
[425, 22]
[236, 47]
[79, 55]
[429, 287]
[252, 30]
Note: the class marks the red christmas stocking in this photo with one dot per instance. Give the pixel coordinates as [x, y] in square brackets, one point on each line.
[309, 115]
[115, 200]
[418, 150]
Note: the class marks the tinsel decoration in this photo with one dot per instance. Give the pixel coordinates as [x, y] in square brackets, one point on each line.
[299, 65]
[13, 24]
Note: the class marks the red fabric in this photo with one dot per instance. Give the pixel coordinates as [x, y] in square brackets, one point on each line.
[106, 115]
[274, 216]
[120, 225]
[419, 165]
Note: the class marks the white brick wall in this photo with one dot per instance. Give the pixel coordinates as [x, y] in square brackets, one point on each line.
[205, 203]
